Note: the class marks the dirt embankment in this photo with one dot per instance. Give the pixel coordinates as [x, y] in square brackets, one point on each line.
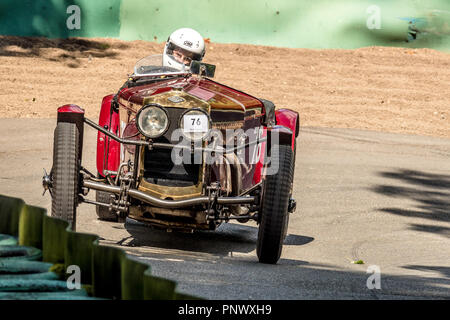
[377, 88]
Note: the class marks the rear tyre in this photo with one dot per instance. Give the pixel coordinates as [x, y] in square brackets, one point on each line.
[292, 189]
[103, 213]
[274, 212]
[65, 172]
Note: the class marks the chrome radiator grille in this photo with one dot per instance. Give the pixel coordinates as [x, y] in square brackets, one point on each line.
[158, 165]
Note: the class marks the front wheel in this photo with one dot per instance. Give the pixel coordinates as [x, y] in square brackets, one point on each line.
[65, 172]
[274, 212]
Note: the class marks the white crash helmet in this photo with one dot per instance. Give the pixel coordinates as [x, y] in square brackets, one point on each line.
[189, 42]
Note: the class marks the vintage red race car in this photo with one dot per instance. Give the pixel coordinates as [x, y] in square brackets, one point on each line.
[179, 151]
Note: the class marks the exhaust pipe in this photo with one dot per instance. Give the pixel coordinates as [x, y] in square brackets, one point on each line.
[172, 204]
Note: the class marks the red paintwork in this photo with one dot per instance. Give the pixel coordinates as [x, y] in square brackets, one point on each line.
[108, 150]
[257, 176]
[131, 132]
[137, 94]
[217, 95]
[224, 97]
[201, 93]
[70, 108]
[236, 99]
[289, 119]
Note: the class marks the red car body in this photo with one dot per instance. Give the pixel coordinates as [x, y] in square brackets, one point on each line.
[250, 143]
[108, 150]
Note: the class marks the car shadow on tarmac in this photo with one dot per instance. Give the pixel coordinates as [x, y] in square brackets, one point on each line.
[228, 238]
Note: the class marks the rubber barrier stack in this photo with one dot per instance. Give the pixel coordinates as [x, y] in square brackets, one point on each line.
[36, 250]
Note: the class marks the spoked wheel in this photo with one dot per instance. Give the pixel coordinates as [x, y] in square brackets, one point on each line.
[65, 172]
[274, 212]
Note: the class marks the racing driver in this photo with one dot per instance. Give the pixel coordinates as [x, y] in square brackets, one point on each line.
[183, 46]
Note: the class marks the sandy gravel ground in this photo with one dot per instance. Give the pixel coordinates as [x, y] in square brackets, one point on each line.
[378, 88]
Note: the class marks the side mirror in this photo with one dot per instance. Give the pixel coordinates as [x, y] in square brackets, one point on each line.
[203, 69]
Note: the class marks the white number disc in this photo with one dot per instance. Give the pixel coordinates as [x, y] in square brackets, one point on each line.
[195, 123]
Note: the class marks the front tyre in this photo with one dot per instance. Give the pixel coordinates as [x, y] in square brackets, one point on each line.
[65, 172]
[292, 189]
[274, 212]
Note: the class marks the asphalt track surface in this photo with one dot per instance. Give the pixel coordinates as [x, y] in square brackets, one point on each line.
[362, 195]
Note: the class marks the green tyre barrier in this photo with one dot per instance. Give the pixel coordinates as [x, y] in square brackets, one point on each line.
[23, 267]
[32, 285]
[27, 235]
[19, 252]
[10, 209]
[133, 279]
[106, 274]
[67, 295]
[30, 226]
[30, 276]
[156, 288]
[54, 238]
[78, 252]
[6, 240]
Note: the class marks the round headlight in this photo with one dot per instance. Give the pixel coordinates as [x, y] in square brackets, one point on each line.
[195, 124]
[152, 121]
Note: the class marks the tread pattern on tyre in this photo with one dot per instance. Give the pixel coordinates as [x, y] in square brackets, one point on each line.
[65, 172]
[274, 209]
